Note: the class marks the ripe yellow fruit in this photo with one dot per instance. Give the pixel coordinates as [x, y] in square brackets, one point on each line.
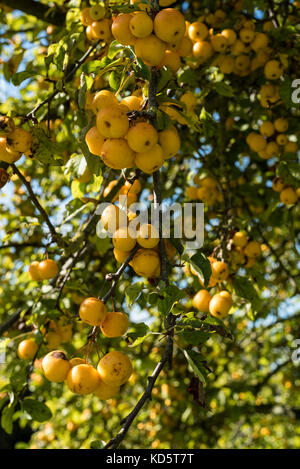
[191, 193]
[92, 311]
[27, 349]
[85, 17]
[272, 149]
[146, 263]
[121, 256]
[76, 361]
[115, 324]
[117, 154]
[148, 236]
[101, 30]
[278, 184]
[281, 139]
[136, 187]
[190, 100]
[230, 35]
[114, 368]
[169, 25]
[106, 391]
[219, 42]
[247, 35]
[141, 25]
[150, 49]
[150, 161]
[94, 141]
[281, 124]
[142, 137]
[219, 271]
[6, 154]
[169, 141]
[123, 239]
[121, 29]
[242, 63]
[201, 301]
[56, 366]
[112, 122]
[185, 48]
[291, 147]
[288, 196]
[197, 31]
[34, 271]
[259, 42]
[47, 269]
[273, 70]
[103, 99]
[239, 239]
[19, 140]
[256, 142]
[267, 129]
[97, 12]
[134, 103]
[53, 340]
[238, 47]
[220, 304]
[226, 64]
[83, 379]
[253, 249]
[172, 60]
[113, 218]
[203, 50]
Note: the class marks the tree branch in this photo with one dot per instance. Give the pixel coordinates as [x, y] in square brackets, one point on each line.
[50, 15]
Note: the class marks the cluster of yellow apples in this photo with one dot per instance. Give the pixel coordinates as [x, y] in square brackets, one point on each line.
[121, 145]
[98, 27]
[44, 270]
[218, 304]
[207, 190]
[288, 195]
[14, 141]
[272, 139]
[245, 251]
[158, 42]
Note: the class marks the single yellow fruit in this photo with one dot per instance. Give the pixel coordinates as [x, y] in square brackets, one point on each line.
[230, 35]
[117, 154]
[142, 137]
[203, 50]
[247, 35]
[169, 25]
[97, 12]
[256, 142]
[281, 124]
[278, 184]
[27, 349]
[121, 29]
[148, 236]
[92, 311]
[185, 48]
[219, 42]
[220, 304]
[34, 271]
[19, 140]
[253, 249]
[141, 25]
[83, 379]
[267, 129]
[150, 49]
[112, 122]
[150, 161]
[123, 239]
[101, 30]
[56, 366]
[106, 391]
[53, 340]
[115, 324]
[134, 103]
[273, 70]
[197, 31]
[239, 239]
[169, 141]
[94, 141]
[6, 154]
[146, 263]
[113, 218]
[115, 368]
[47, 269]
[85, 17]
[220, 271]
[172, 60]
[104, 99]
[288, 196]
[201, 301]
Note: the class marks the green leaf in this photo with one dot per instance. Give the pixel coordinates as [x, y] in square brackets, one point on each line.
[37, 410]
[223, 89]
[142, 70]
[285, 92]
[82, 92]
[201, 265]
[7, 418]
[162, 120]
[19, 77]
[133, 292]
[245, 289]
[137, 334]
[114, 48]
[195, 363]
[168, 297]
